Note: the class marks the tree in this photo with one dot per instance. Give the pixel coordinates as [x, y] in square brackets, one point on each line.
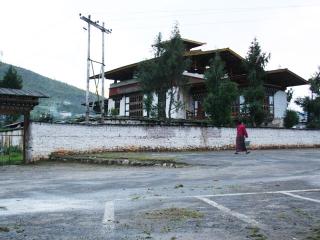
[311, 105]
[11, 79]
[221, 93]
[315, 83]
[175, 64]
[254, 95]
[147, 103]
[163, 73]
[289, 93]
[150, 75]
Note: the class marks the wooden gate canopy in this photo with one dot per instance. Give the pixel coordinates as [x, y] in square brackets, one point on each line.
[18, 101]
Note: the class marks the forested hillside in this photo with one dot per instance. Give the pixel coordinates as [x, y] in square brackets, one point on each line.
[63, 99]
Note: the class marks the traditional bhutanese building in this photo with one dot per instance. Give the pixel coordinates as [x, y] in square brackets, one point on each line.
[126, 98]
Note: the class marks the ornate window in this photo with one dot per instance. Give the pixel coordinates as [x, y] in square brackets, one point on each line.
[136, 105]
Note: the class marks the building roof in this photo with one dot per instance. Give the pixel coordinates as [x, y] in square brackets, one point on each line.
[21, 92]
[189, 44]
[286, 77]
[280, 78]
[234, 65]
[201, 58]
[18, 101]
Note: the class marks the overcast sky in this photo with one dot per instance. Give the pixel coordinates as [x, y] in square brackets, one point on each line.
[48, 36]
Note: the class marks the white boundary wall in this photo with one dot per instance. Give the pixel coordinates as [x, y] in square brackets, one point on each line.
[46, 138]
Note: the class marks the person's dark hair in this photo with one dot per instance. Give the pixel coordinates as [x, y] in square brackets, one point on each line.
[238, 121]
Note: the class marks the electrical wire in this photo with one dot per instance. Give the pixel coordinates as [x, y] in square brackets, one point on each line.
[195, 12]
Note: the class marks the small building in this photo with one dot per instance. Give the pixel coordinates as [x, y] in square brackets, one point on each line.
[126, 97]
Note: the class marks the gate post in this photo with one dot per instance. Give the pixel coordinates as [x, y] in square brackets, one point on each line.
[26, 137]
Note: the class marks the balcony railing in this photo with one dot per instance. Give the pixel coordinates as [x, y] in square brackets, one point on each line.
[235, 112]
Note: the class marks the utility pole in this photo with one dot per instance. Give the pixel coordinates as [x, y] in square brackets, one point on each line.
[102, 76]
[89, 60]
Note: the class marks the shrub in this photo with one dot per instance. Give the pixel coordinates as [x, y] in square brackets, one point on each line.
[114, 112]
[291, 118]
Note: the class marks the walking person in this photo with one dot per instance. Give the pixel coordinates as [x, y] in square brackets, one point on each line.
[241, 136]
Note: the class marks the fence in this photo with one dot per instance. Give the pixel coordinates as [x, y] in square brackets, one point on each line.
[11, 147]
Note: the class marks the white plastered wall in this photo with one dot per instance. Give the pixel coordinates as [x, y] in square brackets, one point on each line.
[280, 104]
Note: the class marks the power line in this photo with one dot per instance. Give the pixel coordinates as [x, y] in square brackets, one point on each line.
[198, 24]
[203, 11]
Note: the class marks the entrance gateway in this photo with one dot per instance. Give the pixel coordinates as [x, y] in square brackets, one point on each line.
[18, 101]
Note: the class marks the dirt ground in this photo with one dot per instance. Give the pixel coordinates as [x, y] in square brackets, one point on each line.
[272, 194]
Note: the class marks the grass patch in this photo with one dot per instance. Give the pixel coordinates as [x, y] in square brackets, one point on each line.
[178, 186]
[302, 213]
[133, 156]
[135, 197]
[314, 234]
[11, 158]
[4, 229]
[119, 158]
[255, 234]
[173, 214]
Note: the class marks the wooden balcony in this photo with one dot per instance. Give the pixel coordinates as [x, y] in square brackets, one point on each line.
[235, 112]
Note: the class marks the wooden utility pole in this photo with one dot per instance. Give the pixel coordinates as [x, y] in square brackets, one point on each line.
[89, 60]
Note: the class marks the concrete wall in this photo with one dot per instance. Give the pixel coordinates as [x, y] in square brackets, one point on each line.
[280, 104]
[47, 138]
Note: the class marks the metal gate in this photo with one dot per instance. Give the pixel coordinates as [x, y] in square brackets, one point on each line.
[11, 146]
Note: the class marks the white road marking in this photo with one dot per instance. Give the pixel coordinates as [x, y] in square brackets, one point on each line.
[222, 194]
[300, 197]
[226, 210]
[108, 217]
[16, 206]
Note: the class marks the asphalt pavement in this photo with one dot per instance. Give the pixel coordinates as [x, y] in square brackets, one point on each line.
[269, 194]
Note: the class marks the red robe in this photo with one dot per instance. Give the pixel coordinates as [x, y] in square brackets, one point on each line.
[241, 135]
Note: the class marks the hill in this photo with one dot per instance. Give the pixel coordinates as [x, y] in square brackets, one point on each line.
[64, 99]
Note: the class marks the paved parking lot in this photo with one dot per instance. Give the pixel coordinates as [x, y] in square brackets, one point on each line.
[271, 194]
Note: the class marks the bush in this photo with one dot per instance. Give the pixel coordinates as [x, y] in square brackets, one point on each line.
[291, 118]
[114, 112]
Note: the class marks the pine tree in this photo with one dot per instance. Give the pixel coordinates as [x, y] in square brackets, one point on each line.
[175, 64]
[150, 75]
[163, 73]
[221, 93]
[254, 95]
[11, 79]
[311, 105]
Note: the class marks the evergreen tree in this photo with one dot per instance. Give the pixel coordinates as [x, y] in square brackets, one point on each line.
[175, 64]
[254, 95]
[315, 83]
[150, 75]
[163, 73]
[11, 79]
[312, 105]
[289, 93]
[147, 102]
[221, 93]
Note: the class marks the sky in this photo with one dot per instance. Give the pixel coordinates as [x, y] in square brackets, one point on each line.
[47, 36]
